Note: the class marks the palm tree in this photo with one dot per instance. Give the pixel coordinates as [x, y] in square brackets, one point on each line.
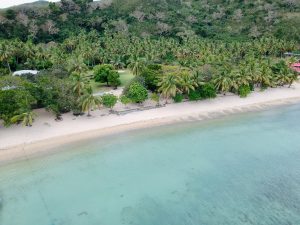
[285, 76]
[76, 64]
[79, 83]
[89, 101]
[293, 77]
[168, 85]
[266, 78]
[187, 83]
[242, 77]
[5, 54]
[26, 118]
[223, 81]
[137, 65]
[252, 70]
[291, 60]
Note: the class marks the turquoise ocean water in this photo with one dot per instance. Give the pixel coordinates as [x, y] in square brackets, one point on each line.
[241, 170]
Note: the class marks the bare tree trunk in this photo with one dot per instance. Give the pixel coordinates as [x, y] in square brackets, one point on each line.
[8, 66]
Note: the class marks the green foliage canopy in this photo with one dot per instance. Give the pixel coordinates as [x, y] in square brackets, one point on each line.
[137, 93]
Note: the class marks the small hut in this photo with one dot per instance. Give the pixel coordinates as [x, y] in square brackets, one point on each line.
[291, 54]
[25, 72]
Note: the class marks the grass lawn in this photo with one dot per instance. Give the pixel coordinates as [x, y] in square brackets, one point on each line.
[125, 78]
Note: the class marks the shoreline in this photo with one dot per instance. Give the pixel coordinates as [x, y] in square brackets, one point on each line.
[20, 143]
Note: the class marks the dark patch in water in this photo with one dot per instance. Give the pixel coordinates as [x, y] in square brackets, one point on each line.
[82, 213]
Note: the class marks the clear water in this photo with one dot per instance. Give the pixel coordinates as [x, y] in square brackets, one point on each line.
[242, 170]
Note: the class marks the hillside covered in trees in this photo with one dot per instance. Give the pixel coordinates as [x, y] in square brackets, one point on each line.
[173, 49]
[215, 19]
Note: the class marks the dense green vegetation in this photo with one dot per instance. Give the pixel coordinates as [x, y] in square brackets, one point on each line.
[192, 50]
[215, 19]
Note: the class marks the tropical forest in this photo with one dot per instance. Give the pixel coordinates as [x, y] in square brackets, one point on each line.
[162, 50]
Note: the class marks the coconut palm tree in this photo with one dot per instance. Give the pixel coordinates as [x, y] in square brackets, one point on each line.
[79, 83]
[266, 78]
[224, 80]
[285, 76]
[89, 101]
[137, 65]
[293, 77]
[26, 118]
[252, 69]
[168, 85]
[187, 83]
[291, 60]
[242, 77]
[76, 64]
[5, 54]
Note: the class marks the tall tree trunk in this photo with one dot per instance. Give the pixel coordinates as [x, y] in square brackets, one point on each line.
[8, 66]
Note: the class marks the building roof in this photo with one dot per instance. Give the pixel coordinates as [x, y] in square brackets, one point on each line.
[296, 67]
[6, 88]
[23, 72]
[292, 54]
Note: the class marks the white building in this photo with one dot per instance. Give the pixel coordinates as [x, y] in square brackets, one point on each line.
[23, 72]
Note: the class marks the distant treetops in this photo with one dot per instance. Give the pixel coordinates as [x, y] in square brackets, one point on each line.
[220, 20]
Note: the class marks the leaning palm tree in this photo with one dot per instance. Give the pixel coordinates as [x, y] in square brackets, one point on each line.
[168, 85]
[89, 101]
[286, 76]
[26, 118]
[291, 60]
[293, 77]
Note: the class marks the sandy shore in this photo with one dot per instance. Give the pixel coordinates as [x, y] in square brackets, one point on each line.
[19, 142]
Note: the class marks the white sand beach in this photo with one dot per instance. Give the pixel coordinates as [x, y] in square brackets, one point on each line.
[19, 142]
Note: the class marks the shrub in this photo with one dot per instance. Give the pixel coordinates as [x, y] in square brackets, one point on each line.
[101, 73]
[109, 100]
[106, 74]
[138, 79]
[244, 91]
[155, 97]
[154, 67]
[12, 101]
[137, 93]
[57, 71]
[151, 74]
[194, 96]
[178, 98]
[114, 79]
[125, 100]
[207, 91]
[251, 86]
[55, 94]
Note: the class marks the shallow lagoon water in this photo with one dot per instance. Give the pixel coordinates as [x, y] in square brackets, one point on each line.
[241, 170]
